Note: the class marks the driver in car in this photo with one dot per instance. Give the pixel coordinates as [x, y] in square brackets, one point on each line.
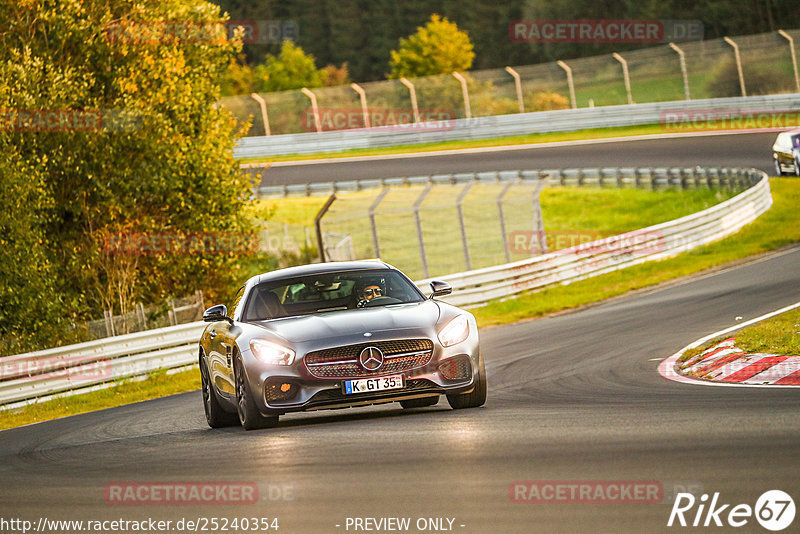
[371, 292]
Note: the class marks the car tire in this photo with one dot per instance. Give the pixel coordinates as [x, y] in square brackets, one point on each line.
[419, 403]
[249, 416]
[476, 397]
[796, 165]
[216, 416]
[778, 168]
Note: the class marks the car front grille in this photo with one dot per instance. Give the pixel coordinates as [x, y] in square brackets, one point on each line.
[342, 362]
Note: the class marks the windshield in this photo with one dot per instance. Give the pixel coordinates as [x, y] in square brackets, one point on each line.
[326, 292]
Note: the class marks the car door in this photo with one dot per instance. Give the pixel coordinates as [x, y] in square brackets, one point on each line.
[222, 341]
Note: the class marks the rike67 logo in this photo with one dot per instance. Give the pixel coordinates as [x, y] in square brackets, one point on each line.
[774, 510]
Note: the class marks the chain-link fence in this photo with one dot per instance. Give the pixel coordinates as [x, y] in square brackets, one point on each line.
[655, 75]
[443, 224]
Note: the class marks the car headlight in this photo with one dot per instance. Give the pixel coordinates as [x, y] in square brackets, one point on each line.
[267, 352]
[455, 332]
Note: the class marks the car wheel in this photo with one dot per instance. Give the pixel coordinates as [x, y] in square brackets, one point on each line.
[419, 403]
[216, 416]
[796, 166]
[476, 397]
[778, 168]
[249, 416]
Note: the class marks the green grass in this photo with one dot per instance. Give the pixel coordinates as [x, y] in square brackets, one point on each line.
[594, 133]
[158, 384]
[778, 227]
[777, 335]
[570, 213]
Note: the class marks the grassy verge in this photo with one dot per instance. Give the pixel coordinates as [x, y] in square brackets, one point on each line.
[779, 227]
[594, 133]
[158, 384]
[776, 335]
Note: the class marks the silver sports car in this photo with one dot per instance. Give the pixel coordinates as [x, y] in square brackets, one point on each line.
[335, 335]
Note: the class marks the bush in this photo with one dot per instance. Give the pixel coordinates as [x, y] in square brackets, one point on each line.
[545, 101]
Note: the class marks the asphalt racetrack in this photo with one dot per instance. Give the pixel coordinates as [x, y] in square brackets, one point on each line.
[729, 150]
[572, 397]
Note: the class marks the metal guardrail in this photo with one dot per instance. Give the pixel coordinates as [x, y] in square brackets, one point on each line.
[39, 375]
[504, 125]
[653, 177]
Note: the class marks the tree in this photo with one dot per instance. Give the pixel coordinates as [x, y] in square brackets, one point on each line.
[291, 69]
[437, 48]
[142, 148]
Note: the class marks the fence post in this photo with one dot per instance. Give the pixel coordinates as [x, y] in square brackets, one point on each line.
[201, 301]
[363, 96]
[264, 116]
[682, 58]
[373, 225]
[413, 95]
[109, 320]
[465, 94]
[418, 221]
[502, 217]
[460, 210]
[538, 219]
[318, 225]
[518, 87]
[314, 108]
[141, 316]
[625, 76]
[738, 63]
[794, 57]
[570, 82]
[173, 318]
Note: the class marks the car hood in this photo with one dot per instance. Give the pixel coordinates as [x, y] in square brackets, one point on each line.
[350, 322]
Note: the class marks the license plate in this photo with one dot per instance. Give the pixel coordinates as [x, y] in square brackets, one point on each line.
[369, 385]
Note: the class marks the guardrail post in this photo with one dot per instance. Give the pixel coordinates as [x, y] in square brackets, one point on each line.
[518, 87]
[570, 83]
[682, 58]
[501, 216]
[373, 225]
[738, 63]
[460, 210]
[418, 221]
[464, 93]
[318, 225]
[625, 76]
[794, 57]
[413, 94]
[362, 95]
[314, 108]
[264, 116]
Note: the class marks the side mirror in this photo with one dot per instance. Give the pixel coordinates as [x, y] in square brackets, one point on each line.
[216, 313]
[440, 289]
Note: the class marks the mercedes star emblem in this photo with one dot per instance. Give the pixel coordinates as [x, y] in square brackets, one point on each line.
[371, 358]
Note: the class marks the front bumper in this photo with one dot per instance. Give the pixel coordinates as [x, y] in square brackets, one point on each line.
[283, 389]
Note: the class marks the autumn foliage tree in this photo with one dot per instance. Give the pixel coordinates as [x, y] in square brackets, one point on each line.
[439, 47]
[155, 158]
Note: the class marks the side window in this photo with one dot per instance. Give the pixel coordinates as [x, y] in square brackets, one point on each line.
[236, 299]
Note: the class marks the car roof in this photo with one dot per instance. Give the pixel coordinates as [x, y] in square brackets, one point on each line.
[321, 268]
[795, 131]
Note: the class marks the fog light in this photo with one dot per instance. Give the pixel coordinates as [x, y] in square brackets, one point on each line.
[280, 391]
[458, 368]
